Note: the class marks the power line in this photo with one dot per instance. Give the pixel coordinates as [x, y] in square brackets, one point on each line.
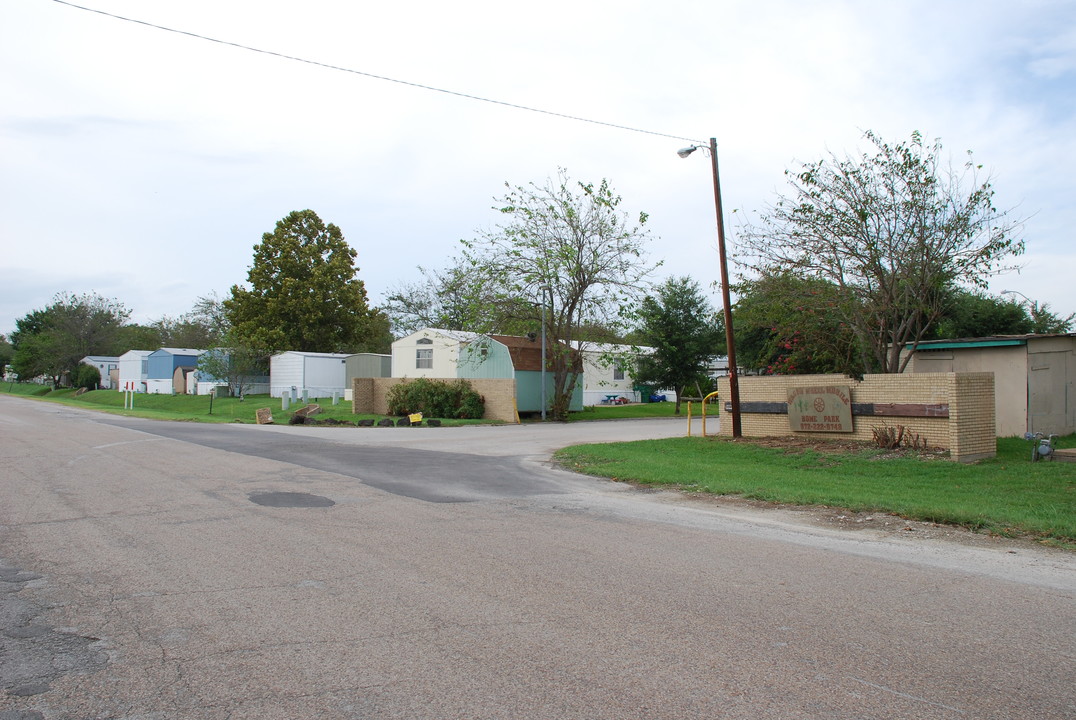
[376, 77]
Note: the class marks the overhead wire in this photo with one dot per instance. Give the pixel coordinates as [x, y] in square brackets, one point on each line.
[375, 76]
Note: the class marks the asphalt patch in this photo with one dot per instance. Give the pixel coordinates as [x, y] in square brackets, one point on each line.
[33, 653]
[290, 499]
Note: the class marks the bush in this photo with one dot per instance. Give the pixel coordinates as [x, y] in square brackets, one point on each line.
[85, 376]
[436, 398]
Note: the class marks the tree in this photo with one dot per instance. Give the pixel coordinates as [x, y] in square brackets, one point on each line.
[304, 294]
[789, 325]
[893, 231]
[139, 337]
[53, 341]
[568, 256]
[1045, 322]
[238, 366]
[204, 326]
[6, 353]
[456, 298]
[682, 328]
[971, 314]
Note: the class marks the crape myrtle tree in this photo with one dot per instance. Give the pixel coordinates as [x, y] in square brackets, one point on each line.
[680, 325]
[303, 294]
[893, 229]
[790, 325]
[568, 256]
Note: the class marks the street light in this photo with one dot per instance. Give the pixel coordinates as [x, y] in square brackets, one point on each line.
[734, 384]
[1016, 292]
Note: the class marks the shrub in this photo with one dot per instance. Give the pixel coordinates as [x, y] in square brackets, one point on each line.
[85, 376]
[436, 398]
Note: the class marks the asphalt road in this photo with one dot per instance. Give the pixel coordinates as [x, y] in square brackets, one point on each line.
[167, 570]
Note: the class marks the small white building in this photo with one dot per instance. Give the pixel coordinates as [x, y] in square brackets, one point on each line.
[321, 375]
[133, 370]
[106, 365]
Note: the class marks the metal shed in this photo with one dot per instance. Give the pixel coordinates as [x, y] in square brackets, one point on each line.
[319, 374]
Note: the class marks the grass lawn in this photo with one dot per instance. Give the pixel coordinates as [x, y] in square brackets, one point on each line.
[1007, 495]
[195, 408]
[620, 412]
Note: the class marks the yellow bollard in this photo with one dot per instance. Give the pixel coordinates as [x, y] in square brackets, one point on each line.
[704, 401]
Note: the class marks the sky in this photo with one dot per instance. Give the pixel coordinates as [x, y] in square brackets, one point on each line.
[144, 165]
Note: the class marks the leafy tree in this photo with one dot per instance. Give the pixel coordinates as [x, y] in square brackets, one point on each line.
[240, 367]
[682, 328]
[789, 325]
[968, 314]
[53, 341]
[1044, 321]
[139, 337]
[893, 231]
[567, 254]
[304, 294]
[451, 299]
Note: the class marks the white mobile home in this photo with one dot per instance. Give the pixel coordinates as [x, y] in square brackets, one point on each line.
[430, 353]
[106, 366]
[608, 374]
[319, 374]
[133, 370]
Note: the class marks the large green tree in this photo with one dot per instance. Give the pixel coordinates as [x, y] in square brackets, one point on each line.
[892, 230]
[53, 340]
[681, 327]
[568, 257]
[303, 293]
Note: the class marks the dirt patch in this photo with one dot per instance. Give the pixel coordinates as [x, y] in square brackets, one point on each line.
[828, 446]
[872, 522]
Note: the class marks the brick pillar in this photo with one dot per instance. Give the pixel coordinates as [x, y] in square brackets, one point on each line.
[972, 425]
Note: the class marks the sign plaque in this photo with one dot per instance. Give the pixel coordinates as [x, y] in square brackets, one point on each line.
[823, 408]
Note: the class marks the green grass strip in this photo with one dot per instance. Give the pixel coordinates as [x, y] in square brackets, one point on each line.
[1007, 495]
